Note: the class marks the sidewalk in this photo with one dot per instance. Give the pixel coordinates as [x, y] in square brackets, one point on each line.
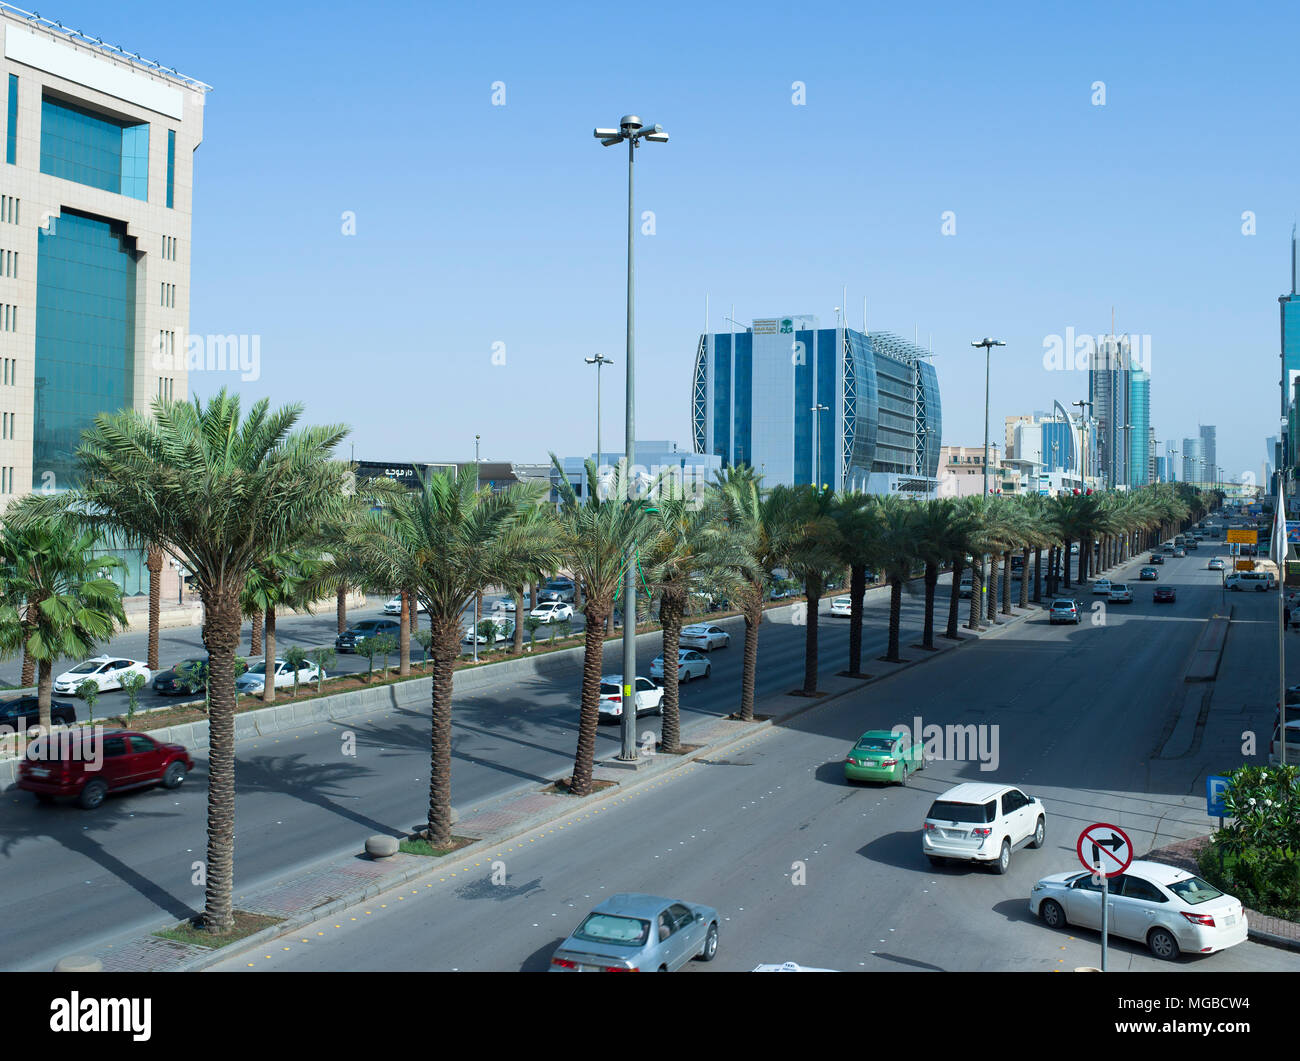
[332, 886]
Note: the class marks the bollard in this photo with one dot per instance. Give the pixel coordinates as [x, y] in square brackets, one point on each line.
[379, 847]
[79, 963]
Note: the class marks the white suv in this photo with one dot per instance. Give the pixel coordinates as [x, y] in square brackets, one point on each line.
[982, 823]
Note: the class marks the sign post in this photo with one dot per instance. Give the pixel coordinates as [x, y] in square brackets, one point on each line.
[1215, 787]
[1111, 853]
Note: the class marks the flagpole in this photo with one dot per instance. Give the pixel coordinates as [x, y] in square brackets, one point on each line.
[1279, 555]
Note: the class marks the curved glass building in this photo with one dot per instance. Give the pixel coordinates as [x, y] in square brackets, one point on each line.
[803, 404]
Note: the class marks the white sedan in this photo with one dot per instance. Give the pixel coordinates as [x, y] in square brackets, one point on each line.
[704, 636]
[690, 664]
[842, 606]
[1101, 588]
[253, 680]
[1168, 909]
[552, 611]
[649, 697]
[106, 671]
[394, 606]
[507, 604]
[505, 630]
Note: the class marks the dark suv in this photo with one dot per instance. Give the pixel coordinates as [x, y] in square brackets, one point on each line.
[25, 712]
[347, 641]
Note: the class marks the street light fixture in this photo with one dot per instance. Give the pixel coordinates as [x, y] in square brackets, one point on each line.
[817, 411]
[600, 361]
[988, 345]
[632, 130]
[1083, 440]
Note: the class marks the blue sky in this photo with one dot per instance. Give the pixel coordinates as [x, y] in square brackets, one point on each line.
[479, 224]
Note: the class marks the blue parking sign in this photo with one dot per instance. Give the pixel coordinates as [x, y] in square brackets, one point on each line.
[1215, 787]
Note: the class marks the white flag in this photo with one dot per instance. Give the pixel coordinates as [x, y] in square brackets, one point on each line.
[1278, 547]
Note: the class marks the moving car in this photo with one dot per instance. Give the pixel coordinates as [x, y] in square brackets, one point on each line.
[977, 822]
[842, 606]
[351, 637]
[394, 606]
[966, 586]
[1156, 558]
[631, 932]
[704, 636]
[505, 630]
[1148, 574]
[552, 611]
[1064, 611]
[106, 671]
[507, 604]
[89, 765]
[1164, 595]
[1243, 580]
[170, 682]
[1101, 588]
[1168, 909]
[882, 755]
[1120, 593]
[1179, 551]
[1216, 564]
[253, 680]
[649, 697]
[690, 665]
[21, 714]
[558, 589]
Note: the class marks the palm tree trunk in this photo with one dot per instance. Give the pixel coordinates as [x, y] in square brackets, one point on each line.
[991, 612]
[975, 613]
[221, 632]
[749, 665]
[857, 590]
[154, 563]
[671, 609]
[1024, 578]
[255, 638]
[404, 636]
[1038, 575]
[341, 608]
[1064, 561]
[1006, 582]
[445, 648]
[589, 715]
[519, 622]
[895, 618]
[268, 687]
[813, 587]
[413, 602]
[931, 581]
[954, 600]
[44, 694]
[1085, 550]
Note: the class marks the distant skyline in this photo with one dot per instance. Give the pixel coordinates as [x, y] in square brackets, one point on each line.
[810, 150]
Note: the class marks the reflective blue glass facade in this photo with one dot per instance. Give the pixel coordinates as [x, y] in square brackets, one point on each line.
[171, 167]
[1058, 442]
[1290, 344]
[11, 126]
[93, 149]
[1139, 435]
[85, 335]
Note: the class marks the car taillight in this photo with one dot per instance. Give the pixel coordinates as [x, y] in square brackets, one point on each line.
[928, 827]
[619, 969]
[563, 963]
[888, 762]
[615, 699]
[981, 831]
[852, 760]
[1200, 919]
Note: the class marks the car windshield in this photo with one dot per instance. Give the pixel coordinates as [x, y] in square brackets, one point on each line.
[874, 744]
[946, 811]
[86, 668]
[1194, 891]
[610, 928]
[365, 627]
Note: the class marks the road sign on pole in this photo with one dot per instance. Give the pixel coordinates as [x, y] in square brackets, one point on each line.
[1215, 787]
[1106, 851]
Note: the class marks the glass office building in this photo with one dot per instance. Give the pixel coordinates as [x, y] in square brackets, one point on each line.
[804, 404]
[1138, 470]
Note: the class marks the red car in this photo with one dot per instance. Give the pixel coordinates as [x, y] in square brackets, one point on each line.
[88, 765]
[1163, 595]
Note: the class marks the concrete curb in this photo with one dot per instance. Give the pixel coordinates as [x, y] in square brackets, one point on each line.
[1204, 664]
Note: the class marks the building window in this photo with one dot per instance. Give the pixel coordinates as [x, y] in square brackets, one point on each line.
[9, 209]
[10, 371]
[79, 144]
[11, 128]
[171, 167]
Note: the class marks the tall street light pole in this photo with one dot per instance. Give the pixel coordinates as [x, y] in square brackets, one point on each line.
[1083, 440]
[474, 638]
[633, 130]
[988, 345]
[817, 411]
[600, 361]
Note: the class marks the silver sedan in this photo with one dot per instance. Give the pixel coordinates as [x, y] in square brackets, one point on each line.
[632, 932]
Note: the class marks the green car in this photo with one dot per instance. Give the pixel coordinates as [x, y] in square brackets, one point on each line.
[881, 755]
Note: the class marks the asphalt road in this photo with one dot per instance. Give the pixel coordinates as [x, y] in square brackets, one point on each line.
[1082, 712]
[301, 799]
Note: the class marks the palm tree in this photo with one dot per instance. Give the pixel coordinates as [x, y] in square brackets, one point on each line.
[961, 535]
[290, 579]
[595, 535]
[448, 540]
[933, 528]
[814, 551]
[898, 552]
[154, 562]
[220, 492]
[858, 519]
[50, 559]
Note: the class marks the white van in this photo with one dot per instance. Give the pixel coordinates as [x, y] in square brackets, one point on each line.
[1256, 580]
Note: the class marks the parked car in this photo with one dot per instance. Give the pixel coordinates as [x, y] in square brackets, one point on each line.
[88, 766]
[977, 822]
[21, 714]
[1148, 574]
[351, 637]
[632, 932]
[1168, 909]
[649, 697]
[1292, 740]
[106, 671]
[1216, 564]
[505, 630]
[394, 606]
[1243, 580]
[169, 682]
[552, 611]
[704, 636]
[1064, 611]
[1101, 588]
[1164, 595]
[1120, 593]
[690, 665]
[253, 680]
[882, 755]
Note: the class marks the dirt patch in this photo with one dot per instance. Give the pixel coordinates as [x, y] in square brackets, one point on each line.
[1182, 854]
[245, 925]
[561, 786]
[681, 749]
[418, 844]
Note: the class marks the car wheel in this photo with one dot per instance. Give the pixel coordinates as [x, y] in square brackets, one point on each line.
[710, 950]
[92, 795]
[903, 780]
[708, 669]
[684, 678]
[1162, 944]
[1052, 914]
[1004, 858]
[174, 775]
[660, 709]
[1040, 834]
